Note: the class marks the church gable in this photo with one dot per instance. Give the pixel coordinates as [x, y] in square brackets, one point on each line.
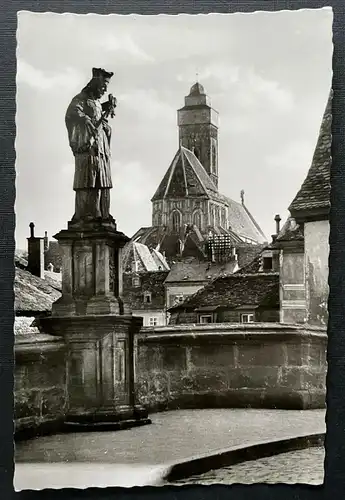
[177, 184]
[185, 177]
[161, 190]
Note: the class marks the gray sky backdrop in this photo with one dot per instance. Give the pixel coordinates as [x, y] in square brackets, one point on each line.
[268, 75]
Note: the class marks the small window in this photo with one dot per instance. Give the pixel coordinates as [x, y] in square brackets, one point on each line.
[136, 281]
[267, 264]
[206, 318]
[153, 321]
[147, 298]
[247, 318]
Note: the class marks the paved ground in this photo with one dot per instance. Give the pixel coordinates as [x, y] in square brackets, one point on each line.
[302, 466]
[142, 455]
[173, 436]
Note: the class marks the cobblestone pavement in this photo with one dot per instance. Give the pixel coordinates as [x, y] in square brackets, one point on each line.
[173, 436]
[302, 466]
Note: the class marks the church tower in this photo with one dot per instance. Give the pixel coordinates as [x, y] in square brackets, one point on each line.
[198, 129]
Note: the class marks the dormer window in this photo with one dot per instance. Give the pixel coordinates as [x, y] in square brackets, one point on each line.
[267, 264]
[147, 298]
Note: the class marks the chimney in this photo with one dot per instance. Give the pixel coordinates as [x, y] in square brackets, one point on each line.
[35, 253]
[46, 241]
[274, 236]
[277, 219]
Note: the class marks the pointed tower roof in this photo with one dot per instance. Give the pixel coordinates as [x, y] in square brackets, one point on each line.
[185, 177]
[197, 89]
[314, 196]
[197, 97]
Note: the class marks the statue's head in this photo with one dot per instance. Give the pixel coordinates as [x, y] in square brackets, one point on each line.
[100, 81]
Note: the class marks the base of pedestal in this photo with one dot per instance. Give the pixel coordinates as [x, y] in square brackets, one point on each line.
[104, 426]
[121, 417]
[100, 370]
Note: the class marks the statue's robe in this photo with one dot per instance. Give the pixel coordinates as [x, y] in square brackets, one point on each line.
[91, 149]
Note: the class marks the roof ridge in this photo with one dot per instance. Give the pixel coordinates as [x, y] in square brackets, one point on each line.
[184, 172]
[172, 166]
[186, 157]
[254, 221]
[202, 166]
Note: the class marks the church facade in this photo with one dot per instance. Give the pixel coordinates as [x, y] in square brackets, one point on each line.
[187, 208]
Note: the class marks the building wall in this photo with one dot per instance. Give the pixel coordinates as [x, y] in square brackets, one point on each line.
[292, 286]
[316, 235]
[180, 289]
[229, 316]
[40, 382]
[159, 315]
[198, 366]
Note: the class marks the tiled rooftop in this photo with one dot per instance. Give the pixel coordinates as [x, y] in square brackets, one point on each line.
[315, 191]
[256, 290]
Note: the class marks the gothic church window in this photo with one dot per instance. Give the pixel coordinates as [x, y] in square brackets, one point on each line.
[214, 160]
[159, 218]
[176, 220]
[197, 219]
[223, 218]
[213, 216]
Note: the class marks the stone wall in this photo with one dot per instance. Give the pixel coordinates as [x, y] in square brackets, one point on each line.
[316, 235]
[40, 382]
[218, 365]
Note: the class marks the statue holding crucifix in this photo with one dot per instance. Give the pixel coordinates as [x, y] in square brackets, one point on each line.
[89, 136]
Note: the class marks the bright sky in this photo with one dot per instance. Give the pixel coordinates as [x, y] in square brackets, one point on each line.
[268, 75]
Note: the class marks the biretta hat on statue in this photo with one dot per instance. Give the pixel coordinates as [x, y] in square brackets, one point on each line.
[101, 73]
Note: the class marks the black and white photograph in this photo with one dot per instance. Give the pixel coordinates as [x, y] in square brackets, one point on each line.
[172, 244]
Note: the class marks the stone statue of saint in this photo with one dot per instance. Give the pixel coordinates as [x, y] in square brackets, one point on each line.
[89, 136]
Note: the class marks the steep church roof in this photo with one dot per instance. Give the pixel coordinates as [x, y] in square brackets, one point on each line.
[242, 222]
[314, 194]
[185, 177]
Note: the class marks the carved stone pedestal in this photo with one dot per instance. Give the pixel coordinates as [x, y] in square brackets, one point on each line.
[98, 328]
[91, 271]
